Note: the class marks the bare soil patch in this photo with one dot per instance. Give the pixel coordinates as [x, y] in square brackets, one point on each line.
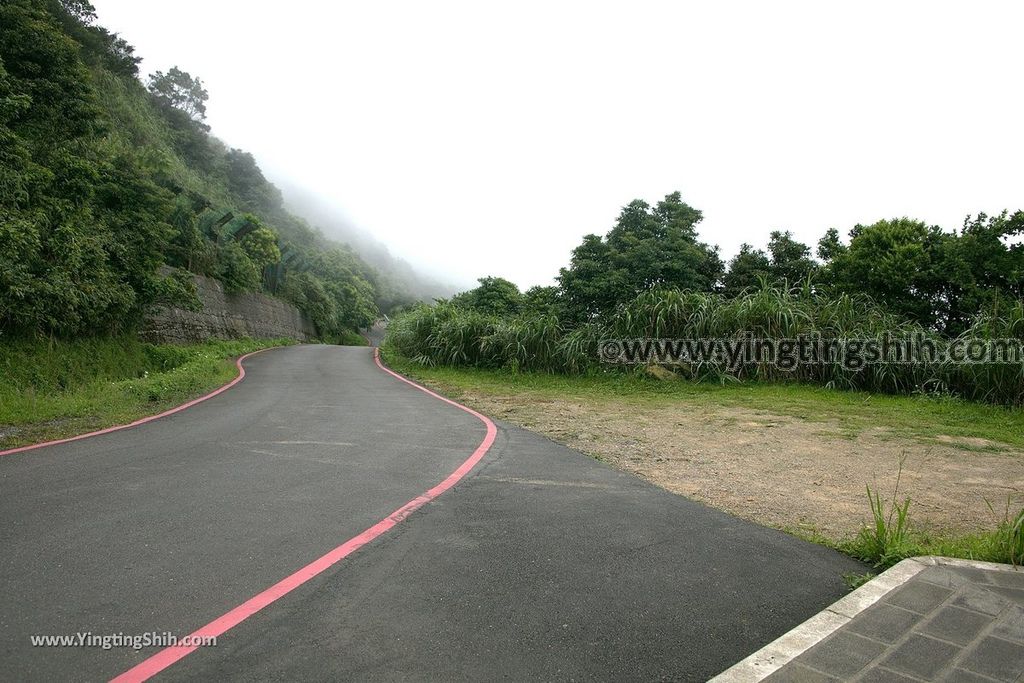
[778, 470]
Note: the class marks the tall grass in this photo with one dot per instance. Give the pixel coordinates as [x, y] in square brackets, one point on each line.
[887, 539]
[891, 537]
[1009, 537]
[447, 335]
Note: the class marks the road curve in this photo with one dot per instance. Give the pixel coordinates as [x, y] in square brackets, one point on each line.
[540, 564]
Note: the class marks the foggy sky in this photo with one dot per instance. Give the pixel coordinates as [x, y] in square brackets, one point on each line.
[486, 139]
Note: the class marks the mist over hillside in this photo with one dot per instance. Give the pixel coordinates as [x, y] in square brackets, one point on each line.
[416, 280]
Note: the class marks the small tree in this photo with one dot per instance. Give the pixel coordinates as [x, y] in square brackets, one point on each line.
[495, 295]
[260, 246]
[179, 90]
[648, 247]
[235, 269]
[540, 300]
[747, 270]
[791, 260]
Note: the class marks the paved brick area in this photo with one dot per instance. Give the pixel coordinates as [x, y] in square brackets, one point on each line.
[946, 623]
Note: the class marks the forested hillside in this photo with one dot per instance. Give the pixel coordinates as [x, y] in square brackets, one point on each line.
[112, 190]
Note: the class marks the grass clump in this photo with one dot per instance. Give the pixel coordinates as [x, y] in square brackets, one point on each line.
[1008, 539]
[855, 581]
[887, 540]
[890, 537]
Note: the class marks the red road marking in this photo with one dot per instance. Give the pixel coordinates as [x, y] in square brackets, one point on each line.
[168, 656]
[144, 420]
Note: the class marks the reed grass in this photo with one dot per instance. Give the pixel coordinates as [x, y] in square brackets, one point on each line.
[453, 336]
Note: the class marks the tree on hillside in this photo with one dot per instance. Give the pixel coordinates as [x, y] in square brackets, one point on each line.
[791, 261]
[747, 270]
[494, 295]
[235, 269]
[43, 66]
[81, 11]
[178, 89]
[99, 47]
[188, 248]
[983, 267]
[181, 101]
[336, 292]
[260, 245]
[540, 300]
[648, 247]
[898, 263]
[103, 181]
[246, 181]
[88, 226]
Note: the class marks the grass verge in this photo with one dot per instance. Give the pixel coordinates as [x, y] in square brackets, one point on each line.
[55, 389]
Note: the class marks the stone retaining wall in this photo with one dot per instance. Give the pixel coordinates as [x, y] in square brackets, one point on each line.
[227, 316]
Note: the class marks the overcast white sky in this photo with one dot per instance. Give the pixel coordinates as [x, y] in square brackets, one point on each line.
[485, 138]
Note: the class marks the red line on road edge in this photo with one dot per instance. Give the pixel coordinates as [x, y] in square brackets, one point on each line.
[144, 420]
[168, 656]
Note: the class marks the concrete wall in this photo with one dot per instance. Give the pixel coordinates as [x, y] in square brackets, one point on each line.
[227, 316]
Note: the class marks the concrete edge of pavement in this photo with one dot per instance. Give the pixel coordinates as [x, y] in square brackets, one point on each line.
[789, 646]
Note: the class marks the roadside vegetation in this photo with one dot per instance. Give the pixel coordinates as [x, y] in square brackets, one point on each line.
[449, 334]
[650, 277]
[348, 338]
[58, 388]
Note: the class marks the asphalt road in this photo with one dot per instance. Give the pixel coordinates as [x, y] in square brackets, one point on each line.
[541, 563]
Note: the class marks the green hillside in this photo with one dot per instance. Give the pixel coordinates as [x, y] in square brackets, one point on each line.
[107, 181]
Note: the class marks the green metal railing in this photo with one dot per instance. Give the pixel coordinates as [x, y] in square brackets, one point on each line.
[221, 224]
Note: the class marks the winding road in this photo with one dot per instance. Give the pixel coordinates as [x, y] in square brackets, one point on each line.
[330, 521]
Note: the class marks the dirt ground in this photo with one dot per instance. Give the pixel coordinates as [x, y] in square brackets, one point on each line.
[778, 470]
